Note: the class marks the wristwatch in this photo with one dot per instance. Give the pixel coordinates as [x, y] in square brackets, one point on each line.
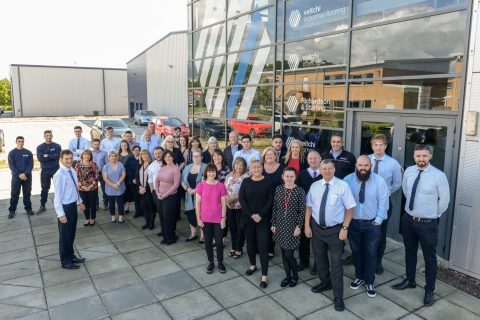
[345, 227]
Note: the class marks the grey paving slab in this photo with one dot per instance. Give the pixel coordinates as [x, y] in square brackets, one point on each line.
[393, 267]
[398, 256]
[46, 238]
[192, 305]
[261, 308]
[234, 291]
[94, 241]
[330, 314]
[181, 246]
[83, 232]
[107, 264]
[411, 299]
[48, 264]
[94, 255]
[222, 315]
[70, 291]
[33, 280]
[42, 315]
[191, 259]
[17, 256]
[85, 309]
[106, 248]
[47, 249]
[59, 275]
[275, 276]
[32, 299]
[153, 311]
[132, 245]
[12, 245]
[443, 310]
[43, 229]
[157, 269]
[441, 289]
[8, 291]
[19, 269]
[8, 312]
[172, 285]
[300, 300]
[347, 292]
[143, 256]
[362, 306]
[122, 235]
[200, 275]
[411, 316]
[466, 301]
[24, 233]
[12, 224]
[115, 279]
[127, 298]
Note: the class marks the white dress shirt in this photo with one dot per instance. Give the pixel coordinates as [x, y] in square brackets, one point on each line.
[389, 169]
[109, 145]
[66, 191]
[153, 169]
[248, 156]
[72, 146]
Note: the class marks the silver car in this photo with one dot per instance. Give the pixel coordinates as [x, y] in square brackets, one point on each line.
[143, 117]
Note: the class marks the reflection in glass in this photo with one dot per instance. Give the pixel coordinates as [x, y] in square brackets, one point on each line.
[207, 12]
[370, 11]
[207, 127]
[371, 128]
[316, 59]
[280, 24]
[209, 41]
[312, 138]
[417, 47]
[236, 7]
[254, 103]
[433, 136]
[209, 102]
[319, 104]
[251, 67]
[259, 141]
[309, 17]
[441, 94]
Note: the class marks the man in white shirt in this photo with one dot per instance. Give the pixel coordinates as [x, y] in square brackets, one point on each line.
[66, 200]
[247, 152]
[155, 138]
[110, 143]
[78, 144]
[153, 169]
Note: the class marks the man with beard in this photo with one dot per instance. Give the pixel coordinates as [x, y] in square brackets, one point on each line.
[371, 196]
[427, 197]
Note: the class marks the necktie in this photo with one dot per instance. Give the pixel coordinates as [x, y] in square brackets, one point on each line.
[73, 179]
[414, 190]
[314, 174]
[361, 195]
[375, 170]
[78, 144]
[323, 206]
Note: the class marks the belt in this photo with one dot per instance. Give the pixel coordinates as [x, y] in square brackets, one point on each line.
[364, 220]
[418, 219]
[327, 228]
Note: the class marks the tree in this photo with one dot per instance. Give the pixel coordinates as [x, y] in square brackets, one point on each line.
[5, 95]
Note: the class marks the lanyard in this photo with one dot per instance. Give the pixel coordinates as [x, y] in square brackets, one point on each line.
[145, 173]
[287, 199]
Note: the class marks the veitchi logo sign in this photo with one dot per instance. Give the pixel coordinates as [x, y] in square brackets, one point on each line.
[306, 104]
[295, 18]
[293, 62]
[292, 104]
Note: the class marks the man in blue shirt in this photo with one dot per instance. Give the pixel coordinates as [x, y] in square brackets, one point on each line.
[66, 200]
[128, 136]
[371, 197]
[391, 171]
[48, 154]
[247, 152]
[100, 158]
[78, 144]
[427, 198]
[20, 161]
[148, 143]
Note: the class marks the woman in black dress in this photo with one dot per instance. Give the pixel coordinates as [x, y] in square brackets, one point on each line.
[287, 221]
[256, 198]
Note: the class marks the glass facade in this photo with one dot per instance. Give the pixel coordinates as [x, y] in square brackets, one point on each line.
[302, 68]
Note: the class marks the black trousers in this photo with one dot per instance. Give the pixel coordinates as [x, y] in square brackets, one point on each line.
[89, 199]
[46, 176]
[211, 231]
[383, 237]
[102, 186]
[168, 221]
[136, 199]
[289, 263]
[120, 204]
[236, 232]
[425, 233]
[26, 187]
[147, 205]
[304, 250]
[191, 217]
[157, 209]
[257, 236]
[328, 250]
[67, 233]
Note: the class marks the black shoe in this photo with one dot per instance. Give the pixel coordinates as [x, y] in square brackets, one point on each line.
[379, 269]
[137, 216]
[177, 237]
[127, 211]
[11, 214]
[170, 242]
[429, 298]
[271, 256]
[30, 212]
[293, 282]
[322, 287]
[249, 271]
[404, 285]
[144, 227]
[347, 261]
[301, 267]
[163, 241]
[210, 267]
[313, 272]
[339, 304]
[72, 266]
[195, 237]
[263, 284]
[221, 268]
[151, 227]
[201, 241]
[284, 282]
[160, 234]
[78, 260]
[41, 210]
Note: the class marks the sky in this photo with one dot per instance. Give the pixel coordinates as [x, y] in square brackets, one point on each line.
[91, 33]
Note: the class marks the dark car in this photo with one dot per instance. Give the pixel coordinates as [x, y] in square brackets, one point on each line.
[118, 125]
[206, 128]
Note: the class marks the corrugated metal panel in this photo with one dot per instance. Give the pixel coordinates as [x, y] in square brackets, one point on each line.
[461, 235]
[468, 189]
[60, 91]
[474, 104]
[167, 81]
[116, 91]
[137, 80]
[17, 102]
[474, 248]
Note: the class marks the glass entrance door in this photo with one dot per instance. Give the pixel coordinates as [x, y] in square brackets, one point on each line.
[403, 133]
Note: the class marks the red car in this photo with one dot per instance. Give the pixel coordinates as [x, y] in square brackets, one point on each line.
[164, 126]
[253, 129]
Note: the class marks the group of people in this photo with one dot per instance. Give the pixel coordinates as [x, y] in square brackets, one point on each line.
[283, 196]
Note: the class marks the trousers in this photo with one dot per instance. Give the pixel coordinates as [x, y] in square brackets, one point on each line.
[18, 185]
[66, 233]
[46, 176]
[213, 231]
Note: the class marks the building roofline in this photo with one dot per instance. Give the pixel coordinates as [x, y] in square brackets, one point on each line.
[67, 67]
[157, 42]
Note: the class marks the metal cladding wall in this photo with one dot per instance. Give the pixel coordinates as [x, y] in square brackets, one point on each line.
[166, 76]
[68, 91]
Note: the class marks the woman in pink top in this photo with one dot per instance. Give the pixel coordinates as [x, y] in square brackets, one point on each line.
[211, 209]
[166, 185]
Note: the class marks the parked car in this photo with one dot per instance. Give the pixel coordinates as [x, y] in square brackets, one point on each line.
[118, 125]
[253, 129]
[2, 140]
[143, 117]
[164, 126]
[206, 128]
